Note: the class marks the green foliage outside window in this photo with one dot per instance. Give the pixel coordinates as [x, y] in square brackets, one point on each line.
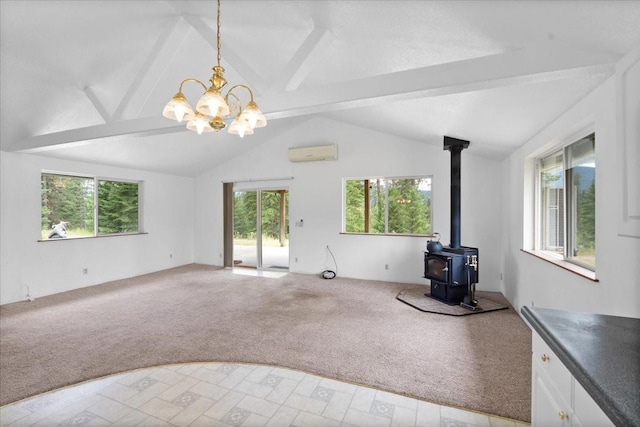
[117, 207]
[409, 207]
[271, 214]
[567, 202]
[245, 215]
[586, 233]
[354, 206]
[395, 206]
[71, 199]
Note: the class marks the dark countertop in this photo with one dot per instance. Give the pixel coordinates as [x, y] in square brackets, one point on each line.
[601, 352]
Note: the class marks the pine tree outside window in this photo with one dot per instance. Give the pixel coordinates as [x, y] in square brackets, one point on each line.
[566, 203]
[80, 206]
[388, 206]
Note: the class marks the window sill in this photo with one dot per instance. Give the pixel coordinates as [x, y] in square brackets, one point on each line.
[428, 236]
[91, 237]
[576, 269]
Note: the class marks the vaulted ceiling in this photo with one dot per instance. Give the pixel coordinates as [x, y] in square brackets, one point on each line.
[87, 80]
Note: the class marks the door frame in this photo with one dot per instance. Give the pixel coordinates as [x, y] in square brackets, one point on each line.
[228, 202]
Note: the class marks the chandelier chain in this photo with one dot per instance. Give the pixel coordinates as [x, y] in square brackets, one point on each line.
[218, 34]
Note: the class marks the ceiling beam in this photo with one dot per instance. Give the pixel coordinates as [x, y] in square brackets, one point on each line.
[82, 135]
[97, 104]
[524, 66]
[306, 57]
[154, 65]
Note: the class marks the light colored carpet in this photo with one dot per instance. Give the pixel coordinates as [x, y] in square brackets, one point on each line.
[352, 330]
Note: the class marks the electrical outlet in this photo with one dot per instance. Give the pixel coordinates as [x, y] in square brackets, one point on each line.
[386, 266]
[85, 271]
[170, 256]
[296, 259]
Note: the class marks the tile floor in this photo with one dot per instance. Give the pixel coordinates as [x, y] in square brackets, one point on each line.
[218, 394]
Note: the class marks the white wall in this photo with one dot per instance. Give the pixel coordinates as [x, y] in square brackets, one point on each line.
[55, 266]
[532, 281]
[183, 216]
[316, 197]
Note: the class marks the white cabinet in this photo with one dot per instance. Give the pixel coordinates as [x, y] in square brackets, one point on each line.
[587, 412]
[557, 399]
[546, 403]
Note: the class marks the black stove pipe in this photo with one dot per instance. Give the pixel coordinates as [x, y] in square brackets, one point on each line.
[455, 146]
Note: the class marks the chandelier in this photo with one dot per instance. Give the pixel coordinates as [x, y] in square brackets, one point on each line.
[212, 108]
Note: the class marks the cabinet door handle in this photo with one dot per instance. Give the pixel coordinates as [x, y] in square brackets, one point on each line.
[563, 415]
[544, 357]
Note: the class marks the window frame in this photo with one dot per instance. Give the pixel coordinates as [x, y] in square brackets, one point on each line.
[367, 206]
[564, 260]
[96, 180]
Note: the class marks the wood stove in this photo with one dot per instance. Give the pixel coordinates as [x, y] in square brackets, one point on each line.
[453, 269]
[453, 272]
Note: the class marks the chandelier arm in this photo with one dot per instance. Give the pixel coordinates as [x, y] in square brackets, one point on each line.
[192, 80]
[226, 98]
[243, 86]
[232, 106]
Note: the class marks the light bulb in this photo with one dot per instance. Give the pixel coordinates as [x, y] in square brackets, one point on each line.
[178, 108]
[199, 127]
[179, 111]
[240, 126]
[254, 116]
[211, 103]
[199, 124]
[252, 119]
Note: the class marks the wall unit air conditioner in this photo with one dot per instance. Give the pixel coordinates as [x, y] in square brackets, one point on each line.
[309, 154]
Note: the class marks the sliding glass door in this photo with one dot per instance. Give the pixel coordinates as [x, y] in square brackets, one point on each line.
[245, 229]
[260, 231]
[275, 234]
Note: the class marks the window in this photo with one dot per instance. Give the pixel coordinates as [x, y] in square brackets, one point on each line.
[566, 203]
[388, 205]
[80, 206]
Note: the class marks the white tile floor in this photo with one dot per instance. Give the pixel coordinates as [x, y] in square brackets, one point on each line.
[259, 273]
[217, 394]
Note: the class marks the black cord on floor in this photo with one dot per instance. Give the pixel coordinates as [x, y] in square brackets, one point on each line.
[330, 274]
